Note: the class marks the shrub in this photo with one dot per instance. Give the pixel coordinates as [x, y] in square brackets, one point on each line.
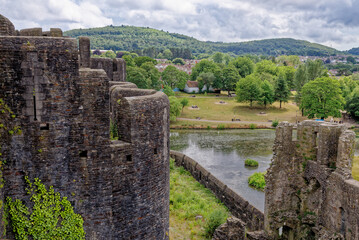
[50, 217]
[257, 180]
[221, 126]
[275, 123]
[215, 219]
[251, 163]
[252, 126]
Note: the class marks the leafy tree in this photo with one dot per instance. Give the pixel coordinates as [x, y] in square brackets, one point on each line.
[289, 73]
[173, 77]
[167, 54]
[152, 74]
[352, 105]
[291, 60]
[137, 76]
[141, 60]
[244, 66]
[267, 93]
[203, 66]
[281, 90]
[205, 79]
[322, 98]
[178, 61]
[230, 77]
[129, 61]
[267, 67]
[218, 57]
[175, 108]
[168, 91]
[351, 59]
[248, 89]
[184, 102]
[110, 54]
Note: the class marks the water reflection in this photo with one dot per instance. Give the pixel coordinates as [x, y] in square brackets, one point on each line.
[223, 153]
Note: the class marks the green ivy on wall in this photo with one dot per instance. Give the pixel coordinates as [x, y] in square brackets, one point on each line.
[50, 217]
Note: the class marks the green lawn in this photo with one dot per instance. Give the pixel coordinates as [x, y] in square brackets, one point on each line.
[188, 200]
[355, 169]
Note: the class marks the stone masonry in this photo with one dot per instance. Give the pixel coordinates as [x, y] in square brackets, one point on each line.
[64, 102]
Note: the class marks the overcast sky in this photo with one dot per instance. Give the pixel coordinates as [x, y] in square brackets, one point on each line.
[333, 23]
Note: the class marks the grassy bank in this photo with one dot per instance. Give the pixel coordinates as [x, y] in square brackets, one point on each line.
[194, 210]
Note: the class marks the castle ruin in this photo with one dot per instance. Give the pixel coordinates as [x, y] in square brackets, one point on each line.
[64, 101]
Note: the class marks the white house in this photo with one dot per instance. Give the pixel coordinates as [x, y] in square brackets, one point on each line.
[191, 87]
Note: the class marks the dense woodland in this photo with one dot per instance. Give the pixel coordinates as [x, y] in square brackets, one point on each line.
[152, 42]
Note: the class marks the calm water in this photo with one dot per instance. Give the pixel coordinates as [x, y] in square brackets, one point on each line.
[223, 153]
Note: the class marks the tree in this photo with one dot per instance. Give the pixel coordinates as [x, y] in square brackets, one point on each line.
[351, 59]
[184, 102]
[218, 57]
[352, 105]
[141, 60]
[137, 76]
[203, 66]
[267, 67]
[244, 66]
[178, 61]
[281, 91]
[167, 54]
[152, 74]
[110, 54]
[267, 93]
[247, 89]
[168, 91]
[322, 98]
[205, 79]
[173, 77]
[129, 60]
[230, 77]
[175, 108]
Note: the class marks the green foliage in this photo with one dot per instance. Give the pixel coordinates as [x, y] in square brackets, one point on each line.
[322, 98]
[230, 77]
[251, 163]
[204, 66]
[266, 94]
[205, 80]
[141, 60]
[178, 61]
[221, 126]
[281, 90]
[244, 66]
[173, 77]
[252, 126]
[352, 105]
[275, 123]
[215, 219]
[113, 131]
[188, 199]
[248, 89]
[152, 74]
[137, 76]
[175, 108]
[152, 41]
[257, 180]
[130, 62]
[50, 217]
[184, 102]
[110, 54]
[168, 91]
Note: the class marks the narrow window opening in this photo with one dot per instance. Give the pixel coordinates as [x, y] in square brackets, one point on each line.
[35, 118]
[316, 136]
[129, 158]
[114, 66]
[155, 150]
[83, 154]
[44, 126]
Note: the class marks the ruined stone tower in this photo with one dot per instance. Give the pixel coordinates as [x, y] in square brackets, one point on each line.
[310, 191]
[63, 101]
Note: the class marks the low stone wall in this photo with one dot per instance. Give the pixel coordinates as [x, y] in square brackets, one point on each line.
[239, 207]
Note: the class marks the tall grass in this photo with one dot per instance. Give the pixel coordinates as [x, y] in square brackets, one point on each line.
[194, 211]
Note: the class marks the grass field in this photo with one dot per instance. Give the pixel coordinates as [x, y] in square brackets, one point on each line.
[191, 206]
[355, 169]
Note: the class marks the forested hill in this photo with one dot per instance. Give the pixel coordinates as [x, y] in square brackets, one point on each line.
[130, 38]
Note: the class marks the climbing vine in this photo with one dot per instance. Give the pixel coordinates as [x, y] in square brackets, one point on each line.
[7, 129]
[50, 217]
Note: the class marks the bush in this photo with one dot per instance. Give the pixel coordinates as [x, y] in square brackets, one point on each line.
[221, 126]
[215, 219]
[257, 180]
[275, 123]
[252, 126]
[251, 163]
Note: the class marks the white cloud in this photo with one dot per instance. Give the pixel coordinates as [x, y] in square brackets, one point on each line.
[330, 22]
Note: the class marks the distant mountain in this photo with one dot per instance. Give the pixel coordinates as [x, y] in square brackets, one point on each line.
[131, 38]
[354, 51]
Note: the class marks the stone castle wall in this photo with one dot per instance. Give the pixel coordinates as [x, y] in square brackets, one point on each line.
[310, 191]
[120, 187]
